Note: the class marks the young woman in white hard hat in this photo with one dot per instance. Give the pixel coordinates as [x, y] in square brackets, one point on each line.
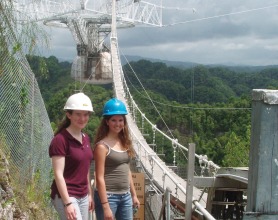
[115, 195]
[71, 156]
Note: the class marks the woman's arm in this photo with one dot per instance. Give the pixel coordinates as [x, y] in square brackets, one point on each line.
[135, 200]
[58, 163]
[100, 153]
[90, 194]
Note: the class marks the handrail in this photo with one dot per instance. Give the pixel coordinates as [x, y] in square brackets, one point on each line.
[178, 185]
[209, 163]
[231, 176]
[152, 157]
[203, 211]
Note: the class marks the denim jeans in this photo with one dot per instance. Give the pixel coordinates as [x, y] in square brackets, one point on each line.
[120, 205]
[81, 206]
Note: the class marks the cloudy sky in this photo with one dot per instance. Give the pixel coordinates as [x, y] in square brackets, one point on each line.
[240, 32]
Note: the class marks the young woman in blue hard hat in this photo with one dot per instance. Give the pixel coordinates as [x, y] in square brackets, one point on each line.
[71, 156]
[115, 195]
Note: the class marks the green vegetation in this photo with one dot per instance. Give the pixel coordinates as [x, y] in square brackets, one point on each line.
[210, 106]
[31, 199]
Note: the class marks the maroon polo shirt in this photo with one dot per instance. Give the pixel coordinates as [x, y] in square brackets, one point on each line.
[78, 158]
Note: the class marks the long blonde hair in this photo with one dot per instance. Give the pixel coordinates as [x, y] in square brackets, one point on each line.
[124, 135]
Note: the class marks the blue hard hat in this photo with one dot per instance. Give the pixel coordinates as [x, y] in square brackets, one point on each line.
[114, 107]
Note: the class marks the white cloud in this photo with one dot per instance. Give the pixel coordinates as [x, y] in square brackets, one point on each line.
[271, 47]
[234, 46]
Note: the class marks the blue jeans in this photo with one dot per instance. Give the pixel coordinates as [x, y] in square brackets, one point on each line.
[120, 205]
[81, 206]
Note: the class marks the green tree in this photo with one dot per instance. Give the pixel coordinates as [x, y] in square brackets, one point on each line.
[236, 152]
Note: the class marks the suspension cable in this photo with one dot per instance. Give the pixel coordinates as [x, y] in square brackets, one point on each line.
[222, 15]
[150, 99]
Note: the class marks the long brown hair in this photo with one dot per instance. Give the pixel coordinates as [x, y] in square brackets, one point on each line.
[64, 123]
[124, 135]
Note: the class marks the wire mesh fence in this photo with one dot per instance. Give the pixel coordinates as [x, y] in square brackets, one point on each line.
[25, 130]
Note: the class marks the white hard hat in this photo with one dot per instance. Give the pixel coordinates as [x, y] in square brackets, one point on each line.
[79, 101]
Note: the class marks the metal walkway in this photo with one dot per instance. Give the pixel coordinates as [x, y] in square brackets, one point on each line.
[154, 167]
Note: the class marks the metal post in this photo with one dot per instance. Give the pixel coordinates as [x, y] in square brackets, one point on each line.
[189, 185]
[262, 199]
[168, 204]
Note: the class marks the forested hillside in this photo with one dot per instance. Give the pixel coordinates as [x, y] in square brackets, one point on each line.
[199, 84]
[208, 106]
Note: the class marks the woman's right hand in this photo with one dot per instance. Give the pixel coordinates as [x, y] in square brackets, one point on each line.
[70, 212]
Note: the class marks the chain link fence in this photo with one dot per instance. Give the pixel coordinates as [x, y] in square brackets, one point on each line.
[25, 130]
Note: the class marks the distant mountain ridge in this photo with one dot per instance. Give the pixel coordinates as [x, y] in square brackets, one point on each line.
[188, 65]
